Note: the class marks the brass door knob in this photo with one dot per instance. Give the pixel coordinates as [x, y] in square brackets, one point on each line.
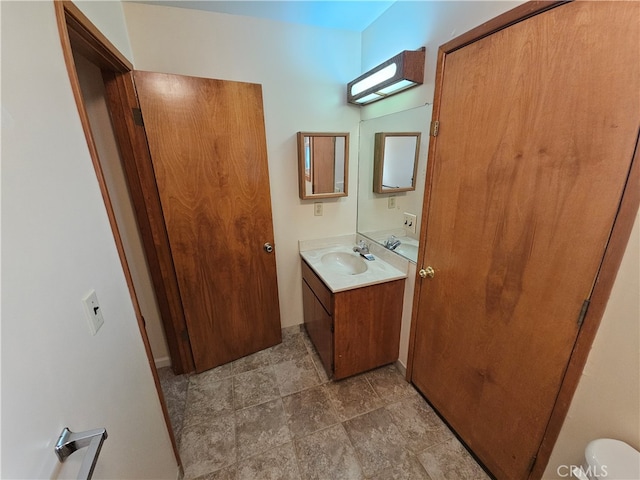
[427, 272]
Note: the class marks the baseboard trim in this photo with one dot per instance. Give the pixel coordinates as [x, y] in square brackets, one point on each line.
[162, 362]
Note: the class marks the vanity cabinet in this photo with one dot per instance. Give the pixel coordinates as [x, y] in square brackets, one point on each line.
[353, 330]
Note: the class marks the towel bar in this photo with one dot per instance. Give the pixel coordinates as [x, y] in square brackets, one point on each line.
[69, 442]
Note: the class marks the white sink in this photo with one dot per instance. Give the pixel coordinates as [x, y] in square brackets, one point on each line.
[343, 262]
[340, 268]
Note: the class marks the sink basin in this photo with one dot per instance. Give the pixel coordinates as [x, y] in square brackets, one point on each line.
[346, 263]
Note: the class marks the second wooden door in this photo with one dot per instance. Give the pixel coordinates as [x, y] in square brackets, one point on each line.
[538, 126]
[208, 147]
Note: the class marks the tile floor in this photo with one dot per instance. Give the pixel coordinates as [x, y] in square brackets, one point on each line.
[274, 415]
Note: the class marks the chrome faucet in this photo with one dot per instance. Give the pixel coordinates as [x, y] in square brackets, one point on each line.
[392, 242]
[363, 249]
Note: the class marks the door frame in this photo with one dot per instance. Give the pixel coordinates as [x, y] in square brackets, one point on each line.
[618, 239]
[78, 33]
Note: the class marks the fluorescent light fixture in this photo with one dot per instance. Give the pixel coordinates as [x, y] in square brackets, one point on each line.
[373, 80]
[399, 73]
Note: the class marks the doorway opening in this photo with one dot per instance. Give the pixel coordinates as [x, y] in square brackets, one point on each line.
[89, 56]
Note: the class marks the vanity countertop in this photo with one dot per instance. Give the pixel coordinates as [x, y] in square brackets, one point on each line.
[385, 268]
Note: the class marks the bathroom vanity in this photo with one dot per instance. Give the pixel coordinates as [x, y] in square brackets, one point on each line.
[352, 308]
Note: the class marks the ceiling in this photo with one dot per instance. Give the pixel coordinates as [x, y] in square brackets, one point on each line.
[353, 15]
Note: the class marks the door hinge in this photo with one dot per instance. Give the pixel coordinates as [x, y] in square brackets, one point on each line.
[137, 117]
[332, 328]
[185, 335]
[435, 128]
[583, 312]
[532, 463]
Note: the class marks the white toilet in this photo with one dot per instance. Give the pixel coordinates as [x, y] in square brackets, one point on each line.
[609, 459]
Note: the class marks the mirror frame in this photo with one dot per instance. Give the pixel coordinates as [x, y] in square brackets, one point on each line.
[379, 158]
[304, 176]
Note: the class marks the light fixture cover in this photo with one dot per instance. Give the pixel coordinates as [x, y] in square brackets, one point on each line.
[399, 73]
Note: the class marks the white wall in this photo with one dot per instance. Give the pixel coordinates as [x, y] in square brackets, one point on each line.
[108, 17]
[303, 71]
[58, 244]
[606, 402]
[409, 25]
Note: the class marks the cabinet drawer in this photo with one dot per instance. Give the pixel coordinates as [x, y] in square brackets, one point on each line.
[319, 289]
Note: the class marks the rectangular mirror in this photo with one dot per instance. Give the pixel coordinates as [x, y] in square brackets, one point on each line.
[395, 161]
[382, 215]
[323, 165]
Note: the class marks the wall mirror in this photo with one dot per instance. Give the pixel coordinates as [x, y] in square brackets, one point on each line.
[395, 161]
[382, 215]
[323, 165]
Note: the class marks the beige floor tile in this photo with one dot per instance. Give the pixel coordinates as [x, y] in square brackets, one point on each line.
[389, 384]
[251, 362]
[292, 331]
[261, 428]
[208, 446]
[418, 423]
[208, 399]
[228, 473]
[328, 455]
[451, 461]
[405, 467]
[352, 396]
[377, 440]
[218, 373]
[255, 387]
[309, 411]
[296, 375]
[292, 347]
[276, 464]
[174, 389]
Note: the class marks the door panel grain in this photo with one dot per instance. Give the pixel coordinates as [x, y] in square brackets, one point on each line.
[538, 124]
[208, 147]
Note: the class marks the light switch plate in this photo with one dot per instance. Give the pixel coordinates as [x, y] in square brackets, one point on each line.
[93, 311]
[410, 221]
[391, 202]
[317, 209]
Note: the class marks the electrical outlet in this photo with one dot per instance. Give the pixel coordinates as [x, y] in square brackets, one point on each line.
[93, 311]
[410, 221]
[391, 203]
[317, 209]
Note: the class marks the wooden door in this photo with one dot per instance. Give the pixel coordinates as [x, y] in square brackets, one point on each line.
[538, 124]
[208, 147]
